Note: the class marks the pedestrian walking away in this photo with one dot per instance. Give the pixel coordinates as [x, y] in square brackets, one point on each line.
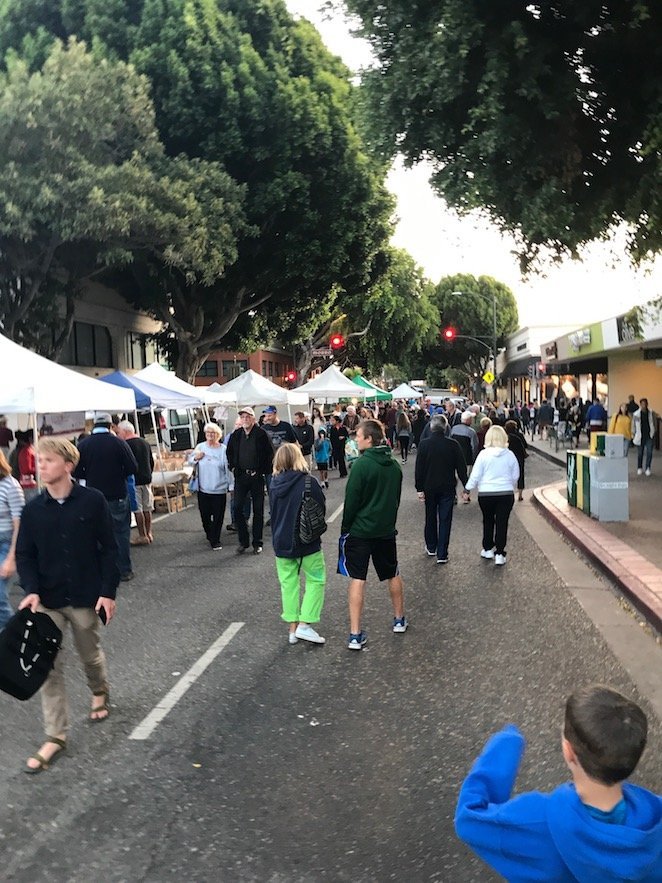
[11, 506]
[599, 828]
[517, 444]
[250, 457]
[105, 464]
[644, 422]
[368, 531]
[294, 559]
[439, 464]
[403, 434]
[66, 556]
[142, 451]
[495, 474]
[214, 482]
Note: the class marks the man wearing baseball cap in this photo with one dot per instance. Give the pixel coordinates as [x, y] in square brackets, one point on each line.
[250, 456]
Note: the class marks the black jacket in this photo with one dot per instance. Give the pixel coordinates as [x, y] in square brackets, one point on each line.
[265, 452]
[438, 461]
[67, 552]
[285, 495]
[105, 463]
[305, 436]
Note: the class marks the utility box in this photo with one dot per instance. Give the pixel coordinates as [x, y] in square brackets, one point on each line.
[605, 444]
[609, 500]
[579, 480]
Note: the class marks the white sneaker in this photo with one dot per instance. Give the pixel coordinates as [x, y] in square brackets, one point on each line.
[500, 559]
[487, 553]
[648, 472]
[292, 638]
[640, 471]
[308, 633]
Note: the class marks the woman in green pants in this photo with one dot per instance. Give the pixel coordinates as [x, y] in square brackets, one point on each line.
[287, 486]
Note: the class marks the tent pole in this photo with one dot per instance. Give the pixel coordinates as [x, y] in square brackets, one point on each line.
[160, 453]
[36, 447]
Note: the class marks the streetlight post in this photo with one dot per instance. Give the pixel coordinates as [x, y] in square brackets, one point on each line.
[494, 323]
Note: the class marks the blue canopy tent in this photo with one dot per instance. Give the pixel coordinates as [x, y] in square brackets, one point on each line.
[148, 397]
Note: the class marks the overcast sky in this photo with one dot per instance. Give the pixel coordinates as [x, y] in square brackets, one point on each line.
[602, 285]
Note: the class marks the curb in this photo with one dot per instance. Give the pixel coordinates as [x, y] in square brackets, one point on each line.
[610, 555]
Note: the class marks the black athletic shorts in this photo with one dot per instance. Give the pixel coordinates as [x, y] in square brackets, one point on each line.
[354, 554]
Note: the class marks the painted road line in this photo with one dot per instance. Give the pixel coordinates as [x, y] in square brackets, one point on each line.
[145, 729]
[335, 514]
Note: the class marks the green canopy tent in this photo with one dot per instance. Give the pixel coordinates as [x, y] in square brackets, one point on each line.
[380, 395]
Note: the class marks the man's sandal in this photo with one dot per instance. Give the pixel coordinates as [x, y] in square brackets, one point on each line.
[105, 707]
[43, 763]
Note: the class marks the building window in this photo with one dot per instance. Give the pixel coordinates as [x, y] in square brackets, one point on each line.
[264, 367]
[89, 346]
[209, 369]
[271, 369]
[142, 350]
[234, 367]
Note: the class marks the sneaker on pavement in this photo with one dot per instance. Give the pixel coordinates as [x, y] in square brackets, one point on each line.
[292, 638]
[648, 472]
[640, 471]
[241, 549]
[442, 560]
[358, 641]
[231, 527]
[308, 633]
[257, 550]
[500, 560]
[400, 625]
[430, 553]
[216, 547]
[487, 553]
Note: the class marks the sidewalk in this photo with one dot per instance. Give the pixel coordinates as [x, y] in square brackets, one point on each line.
[630, 553]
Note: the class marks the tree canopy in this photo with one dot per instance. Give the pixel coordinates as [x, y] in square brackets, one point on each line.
[546, 115]
[240, 83]
[85, 184]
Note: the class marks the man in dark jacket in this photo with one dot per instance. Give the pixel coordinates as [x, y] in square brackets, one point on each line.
[372, 499]
[439, 463]
[250, 456]
[338, 435]
[305, 434]
[66, 557]
[106, 462]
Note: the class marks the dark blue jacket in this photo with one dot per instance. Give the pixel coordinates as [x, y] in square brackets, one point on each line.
[285, 495]
[105, 463]
[553, 836]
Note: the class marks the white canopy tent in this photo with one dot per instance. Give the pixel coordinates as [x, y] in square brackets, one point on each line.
[31, 384]
[404, 391]
[332, 385]
[160, 376]
[251, 388]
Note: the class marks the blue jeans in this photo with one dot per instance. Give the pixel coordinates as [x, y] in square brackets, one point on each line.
[646, 445]
[438, 521]
[120, 511]
[6, 611]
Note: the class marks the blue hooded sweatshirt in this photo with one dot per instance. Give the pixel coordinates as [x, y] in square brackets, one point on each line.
[285, 495]
[553, 837]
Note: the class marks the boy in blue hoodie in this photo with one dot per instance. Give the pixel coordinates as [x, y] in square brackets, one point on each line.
[600, 828]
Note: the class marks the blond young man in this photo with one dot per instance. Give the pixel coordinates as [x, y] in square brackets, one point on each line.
[66, 556]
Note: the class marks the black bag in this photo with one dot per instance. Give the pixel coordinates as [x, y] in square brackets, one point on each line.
[29, 644]
[310, 523]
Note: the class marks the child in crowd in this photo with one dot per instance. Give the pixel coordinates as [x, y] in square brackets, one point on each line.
[599, 828]
[322, 456]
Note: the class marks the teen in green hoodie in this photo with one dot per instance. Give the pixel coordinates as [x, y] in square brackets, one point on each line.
[372, 498]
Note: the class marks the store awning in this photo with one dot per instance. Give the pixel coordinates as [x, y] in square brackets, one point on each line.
[519, 367]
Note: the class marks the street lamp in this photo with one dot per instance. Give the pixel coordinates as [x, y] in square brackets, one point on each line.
[488, 298]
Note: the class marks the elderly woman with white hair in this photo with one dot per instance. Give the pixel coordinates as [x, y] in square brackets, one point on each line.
[495, 473]
[214, 481]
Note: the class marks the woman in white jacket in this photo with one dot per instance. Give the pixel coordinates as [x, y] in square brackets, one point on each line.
[495, 474]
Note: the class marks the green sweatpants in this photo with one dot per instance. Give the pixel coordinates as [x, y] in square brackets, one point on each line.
[313, 568]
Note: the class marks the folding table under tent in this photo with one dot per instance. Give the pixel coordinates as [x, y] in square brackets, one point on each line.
[331, 386]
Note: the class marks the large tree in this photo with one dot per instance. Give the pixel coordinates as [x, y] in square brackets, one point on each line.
[241, 83]
[85, 184]
[546, 115]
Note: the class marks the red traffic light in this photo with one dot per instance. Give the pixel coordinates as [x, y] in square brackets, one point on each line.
[449, 334]
[337, 342]
[291, 376]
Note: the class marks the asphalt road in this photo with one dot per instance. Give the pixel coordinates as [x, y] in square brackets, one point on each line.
[296, 764]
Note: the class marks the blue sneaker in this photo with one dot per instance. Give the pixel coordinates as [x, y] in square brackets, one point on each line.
[358, 641]
[400, 625]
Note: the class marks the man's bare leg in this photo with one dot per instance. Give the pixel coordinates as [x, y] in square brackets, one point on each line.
[356, 595]
[397, 590]
[148, 526]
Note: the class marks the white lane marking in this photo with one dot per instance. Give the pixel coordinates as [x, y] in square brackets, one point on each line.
[147, 726]
[335, 514]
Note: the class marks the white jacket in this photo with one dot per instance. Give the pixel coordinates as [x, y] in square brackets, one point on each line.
[496, 471]
[636, 425]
